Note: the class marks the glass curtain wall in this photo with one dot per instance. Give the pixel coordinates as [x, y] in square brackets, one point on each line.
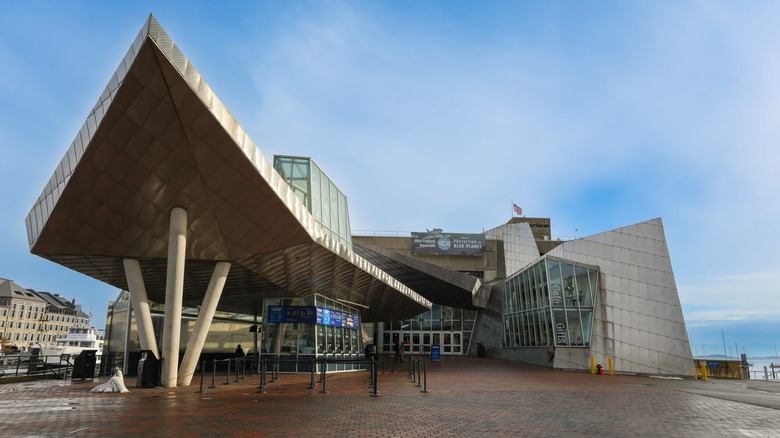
[549, 303]
[448, 327]
[312, 327]
[319, 194]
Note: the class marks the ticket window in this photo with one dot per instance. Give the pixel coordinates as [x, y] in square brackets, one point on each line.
[415, 342]
[321, 339]
[426, 344]
[407, 342]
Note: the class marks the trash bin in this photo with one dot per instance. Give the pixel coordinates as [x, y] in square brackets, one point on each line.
[84, 365]
[148, 370]
[481, 352]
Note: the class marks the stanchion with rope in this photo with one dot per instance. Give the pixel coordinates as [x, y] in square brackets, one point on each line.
[202, 368]
[425, 379]
[376, 385]
[419, 376]
[313, 385]
[213, 373]
[261, 388]
[324, 376]
[227, 379]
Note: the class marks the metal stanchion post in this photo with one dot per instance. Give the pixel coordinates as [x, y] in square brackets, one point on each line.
[419, 375]
[227, 379]
[383, 365]
[262, 376]
[324, 376]
[202, 368]
[313, 385]
[409, 373]
[374, 372]
[425, 379]
[213, 373]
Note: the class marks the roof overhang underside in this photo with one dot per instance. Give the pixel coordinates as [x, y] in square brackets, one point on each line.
[159, 138]
[435, 283]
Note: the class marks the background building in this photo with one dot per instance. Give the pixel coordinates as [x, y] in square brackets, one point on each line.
[29, 318]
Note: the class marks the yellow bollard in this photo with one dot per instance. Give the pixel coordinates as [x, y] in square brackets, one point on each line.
[704, 372]
[593, 365]
[610, 366]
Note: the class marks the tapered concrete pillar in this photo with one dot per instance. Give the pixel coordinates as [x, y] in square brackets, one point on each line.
[174, 290]
[202, 325]
[140, 305]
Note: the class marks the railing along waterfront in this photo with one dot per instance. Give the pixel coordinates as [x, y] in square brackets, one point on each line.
[57, 366]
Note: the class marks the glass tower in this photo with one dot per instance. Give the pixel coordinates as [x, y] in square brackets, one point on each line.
[321, 197]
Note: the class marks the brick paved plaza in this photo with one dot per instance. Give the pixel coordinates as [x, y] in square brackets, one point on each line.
[469, 397]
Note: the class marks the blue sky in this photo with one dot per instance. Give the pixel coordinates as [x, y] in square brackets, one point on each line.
[439, 114]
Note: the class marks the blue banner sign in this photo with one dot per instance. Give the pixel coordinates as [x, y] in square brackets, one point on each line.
[435, 352]
[312, 315]
[275, 314]
[300, 314]
[336, 318]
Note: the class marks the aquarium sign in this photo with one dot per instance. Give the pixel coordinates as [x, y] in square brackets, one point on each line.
[447, 243]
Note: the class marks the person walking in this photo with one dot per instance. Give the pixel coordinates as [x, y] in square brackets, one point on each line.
[399, 352]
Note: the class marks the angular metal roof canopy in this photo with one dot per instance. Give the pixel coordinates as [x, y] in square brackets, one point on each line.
[437, 284]
[159, 138]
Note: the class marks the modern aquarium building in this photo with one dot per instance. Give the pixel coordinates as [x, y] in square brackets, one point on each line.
[163, 195]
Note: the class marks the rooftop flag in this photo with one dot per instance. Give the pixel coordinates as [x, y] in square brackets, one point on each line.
[518, 211]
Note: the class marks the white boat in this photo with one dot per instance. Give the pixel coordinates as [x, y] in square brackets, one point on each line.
[77, 340]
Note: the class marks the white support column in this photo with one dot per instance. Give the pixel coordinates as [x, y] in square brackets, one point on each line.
[202, 325]
[140, 305]
[128, 327]
[174, 291]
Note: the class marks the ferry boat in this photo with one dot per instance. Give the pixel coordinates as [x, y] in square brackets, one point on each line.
[77, 340]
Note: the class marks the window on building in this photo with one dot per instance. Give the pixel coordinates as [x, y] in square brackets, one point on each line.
[538, 312]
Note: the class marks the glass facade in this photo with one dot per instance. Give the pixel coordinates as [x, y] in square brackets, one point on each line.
[448, 327]
[312, 326]
[549, 303]
[321, 197]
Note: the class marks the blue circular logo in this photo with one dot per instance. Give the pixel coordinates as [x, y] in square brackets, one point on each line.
[444, 243]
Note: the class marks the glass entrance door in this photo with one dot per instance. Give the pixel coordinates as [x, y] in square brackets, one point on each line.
[452, 342]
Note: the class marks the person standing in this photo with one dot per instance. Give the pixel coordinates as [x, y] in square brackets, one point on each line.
[239, 352]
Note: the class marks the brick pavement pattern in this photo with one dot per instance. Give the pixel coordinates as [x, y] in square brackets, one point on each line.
[469, 398]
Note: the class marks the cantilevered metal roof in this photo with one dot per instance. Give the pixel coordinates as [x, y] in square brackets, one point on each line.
[437, 284]
[159, 138]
